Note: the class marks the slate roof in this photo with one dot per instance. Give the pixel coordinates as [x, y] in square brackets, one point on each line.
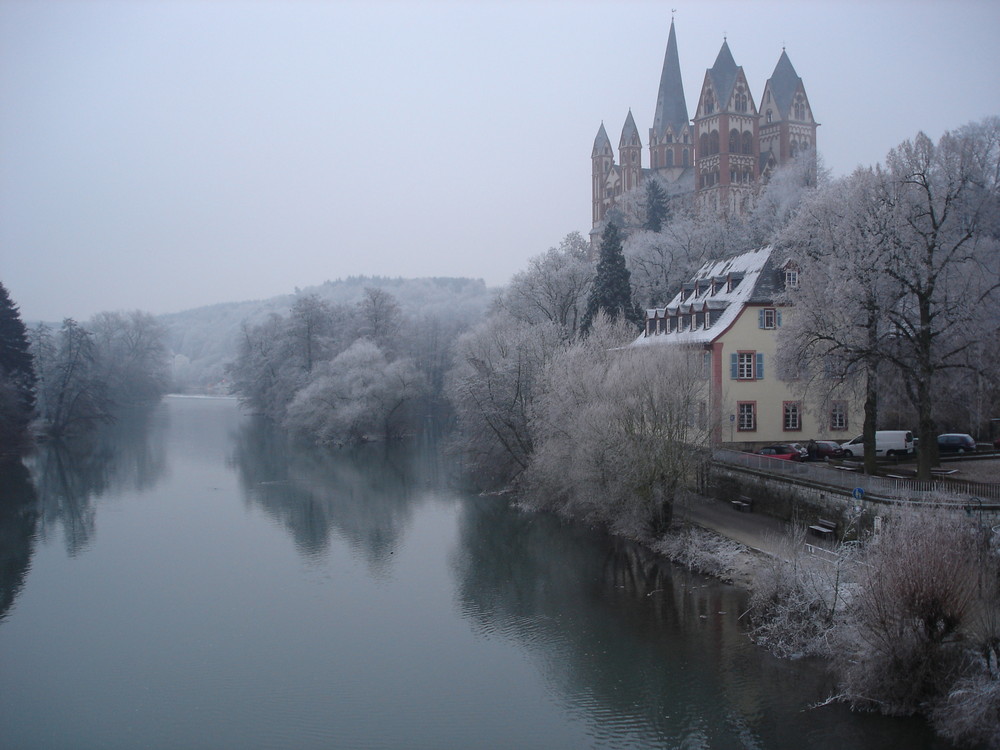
[784, 82]
[671, 109]
[723, 75]
[602, 144]
[760, 282]
[629, 131]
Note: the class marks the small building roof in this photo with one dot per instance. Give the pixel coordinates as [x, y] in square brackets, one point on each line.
[760, 282]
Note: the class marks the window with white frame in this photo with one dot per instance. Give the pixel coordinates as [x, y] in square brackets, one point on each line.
[838, 415]
[746, 416]
[747, 366]
[791, 416]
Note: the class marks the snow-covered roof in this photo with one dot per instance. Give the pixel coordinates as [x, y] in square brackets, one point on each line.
[752, 274]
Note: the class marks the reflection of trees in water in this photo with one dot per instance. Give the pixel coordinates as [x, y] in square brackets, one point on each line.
[127, 455]
[622, 634]
[18, 519]
[364, 494]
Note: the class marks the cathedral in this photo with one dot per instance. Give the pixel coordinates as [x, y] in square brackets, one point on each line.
[721, 154]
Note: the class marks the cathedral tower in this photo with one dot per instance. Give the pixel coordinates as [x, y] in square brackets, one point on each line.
[786, 122]
[726, 131]
[602, 160]
[670, 142]
[630, 152]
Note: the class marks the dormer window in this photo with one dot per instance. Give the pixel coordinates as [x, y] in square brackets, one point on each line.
[791, 277]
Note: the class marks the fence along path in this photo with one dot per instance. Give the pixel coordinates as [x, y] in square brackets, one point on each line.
[935, 492]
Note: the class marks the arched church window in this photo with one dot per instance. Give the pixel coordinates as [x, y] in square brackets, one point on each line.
[734, 141]
[713, 142]
[670, 137]
[670, 157]
[703, 144]
[769, 115]
[800, 111]
[747, 142]
[794, 149]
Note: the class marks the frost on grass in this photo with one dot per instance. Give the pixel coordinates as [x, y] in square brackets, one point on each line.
[704, 551]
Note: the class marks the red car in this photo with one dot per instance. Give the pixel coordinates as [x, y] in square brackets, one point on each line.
[787, 452]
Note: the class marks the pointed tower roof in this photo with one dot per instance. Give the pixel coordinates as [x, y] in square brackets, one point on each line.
[671, 109]
[723, 74]
[602, 144]
[784, 82]
[630, 133]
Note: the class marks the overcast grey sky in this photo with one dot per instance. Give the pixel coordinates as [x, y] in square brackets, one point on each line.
[167, 155]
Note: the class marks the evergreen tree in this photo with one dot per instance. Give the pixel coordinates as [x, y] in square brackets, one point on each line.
[612, 288]
[17, 375]
[657, 210]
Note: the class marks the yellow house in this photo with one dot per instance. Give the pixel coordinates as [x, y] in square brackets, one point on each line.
[729, 310]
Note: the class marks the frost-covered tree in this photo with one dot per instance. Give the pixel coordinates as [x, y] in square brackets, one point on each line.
[619, 432]
[380, 317]
[832, 345]
[131, 354]
[553, 288]
[310, 330]
[72, 395]
[944, 256]
[358, 395]
[493, 386]
[17, 376]
[262, 374]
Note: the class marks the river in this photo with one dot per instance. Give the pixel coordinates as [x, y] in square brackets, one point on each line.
[194, 580]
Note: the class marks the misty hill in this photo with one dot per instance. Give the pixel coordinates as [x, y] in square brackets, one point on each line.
[203, 340]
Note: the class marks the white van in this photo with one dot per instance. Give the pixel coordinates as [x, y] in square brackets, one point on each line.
[887, 443]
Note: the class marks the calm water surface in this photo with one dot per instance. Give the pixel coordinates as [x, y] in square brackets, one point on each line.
[193, 581]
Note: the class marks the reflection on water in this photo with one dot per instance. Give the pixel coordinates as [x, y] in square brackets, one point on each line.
[177, 614]
[646, 653]
[127, 454]
[18, 519]
[366, 495]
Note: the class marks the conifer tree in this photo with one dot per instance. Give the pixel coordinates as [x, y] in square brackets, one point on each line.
[17, 375]
[657, 210]
[612, 289]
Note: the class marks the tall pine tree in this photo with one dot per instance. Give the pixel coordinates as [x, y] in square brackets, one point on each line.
[612, 288]
[17, 376]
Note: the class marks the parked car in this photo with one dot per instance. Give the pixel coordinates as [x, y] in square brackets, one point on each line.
[887, 443]
[828, 449]
[956, 442]
[782, 450]
[803, 451]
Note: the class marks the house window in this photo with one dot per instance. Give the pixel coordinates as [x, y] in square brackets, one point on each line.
[792, 416]
[791, 278]
[746, 416]
[746, 366]
[706, 364]
[769, 318]
[838, 415]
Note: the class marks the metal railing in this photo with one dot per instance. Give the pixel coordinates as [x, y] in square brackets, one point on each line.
[933, 491]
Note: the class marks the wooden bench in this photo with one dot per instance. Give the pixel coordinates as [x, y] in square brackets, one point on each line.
[824, 529]
[743, 504]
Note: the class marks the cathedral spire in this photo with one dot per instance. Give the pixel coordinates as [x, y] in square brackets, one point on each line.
[671, 109]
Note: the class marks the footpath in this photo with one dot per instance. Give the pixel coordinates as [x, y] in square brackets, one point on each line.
[754, 530]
